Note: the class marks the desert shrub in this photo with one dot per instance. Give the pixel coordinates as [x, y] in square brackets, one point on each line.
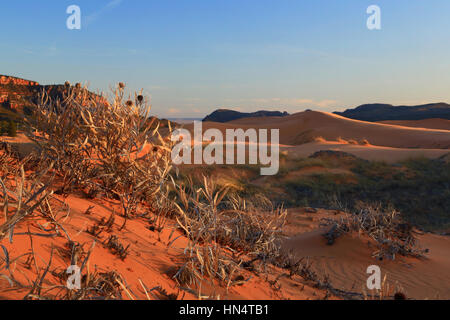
[390, 233]
[101, 146]
[213, 218]
[213, 214]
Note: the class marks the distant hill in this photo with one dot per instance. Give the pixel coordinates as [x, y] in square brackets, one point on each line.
[383, 112]
[225, 115]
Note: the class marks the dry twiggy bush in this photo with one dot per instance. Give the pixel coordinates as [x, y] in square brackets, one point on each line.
[112, 148]
[104, 147]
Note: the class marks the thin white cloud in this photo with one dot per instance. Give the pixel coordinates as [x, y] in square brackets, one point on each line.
[290, 103]
[114, 3]
[51, 51]
[174, 111]
[156, 88]
[94, 16]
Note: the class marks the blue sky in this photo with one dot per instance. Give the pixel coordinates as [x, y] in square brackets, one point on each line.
[194, 56]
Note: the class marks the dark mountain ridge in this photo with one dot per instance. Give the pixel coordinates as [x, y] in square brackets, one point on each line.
[225, 115]
[382, 112]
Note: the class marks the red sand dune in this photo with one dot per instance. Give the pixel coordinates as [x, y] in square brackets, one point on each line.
[374, 153]
[305, 126]
[151, 259]
[439, 124]
[347, 260]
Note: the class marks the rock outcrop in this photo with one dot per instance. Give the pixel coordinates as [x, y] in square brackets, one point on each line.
[18, 96]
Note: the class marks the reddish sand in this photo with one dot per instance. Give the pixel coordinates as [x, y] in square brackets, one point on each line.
[387, 154]
[305, 126]
[302, 134]
[151, 260]
[347, 260]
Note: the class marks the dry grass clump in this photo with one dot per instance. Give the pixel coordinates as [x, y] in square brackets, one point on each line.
[296, 266]
[95, 285]
[221, 228]
[103, 147]
[98, 285]
[212, 214]
[207, 261]
[101, 226]
[116, 247]
[108, 224]
[253, 228]
[95, 230]
[385, 227]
